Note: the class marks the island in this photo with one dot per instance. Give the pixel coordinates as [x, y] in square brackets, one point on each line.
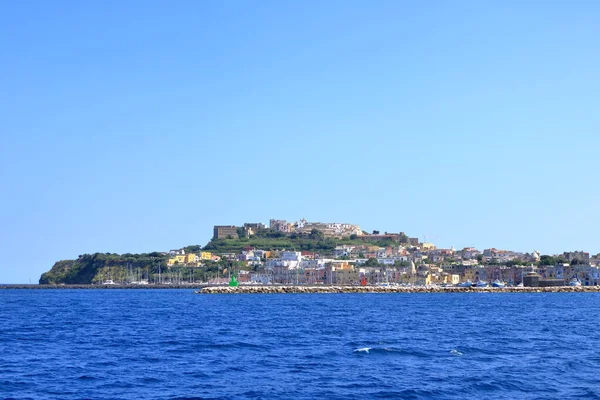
[336, 255]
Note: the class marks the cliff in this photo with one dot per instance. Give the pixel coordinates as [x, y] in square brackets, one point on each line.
[98, 267]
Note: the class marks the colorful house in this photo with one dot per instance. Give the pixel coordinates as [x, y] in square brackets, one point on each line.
[191, 258]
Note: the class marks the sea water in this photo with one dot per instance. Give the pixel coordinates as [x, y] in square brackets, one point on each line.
[174, 344]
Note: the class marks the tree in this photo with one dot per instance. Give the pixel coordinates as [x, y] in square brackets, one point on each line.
[399, 263]
[371, 262]
[547, 260]
[354, 236]
[375, 232]
[403, 238]
[316, 234]
[188, 249]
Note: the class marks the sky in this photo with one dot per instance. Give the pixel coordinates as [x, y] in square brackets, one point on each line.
[136, 126]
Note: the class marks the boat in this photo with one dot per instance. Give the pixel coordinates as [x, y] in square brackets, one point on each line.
[575, 282]
[466, 283]
[481, 284]
[109, 282]
[498, 283]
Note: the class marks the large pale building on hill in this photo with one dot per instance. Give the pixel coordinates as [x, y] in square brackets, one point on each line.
[333, 229]
[225, 232]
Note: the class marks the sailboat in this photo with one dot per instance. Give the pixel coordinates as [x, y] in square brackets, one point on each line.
[109, 281]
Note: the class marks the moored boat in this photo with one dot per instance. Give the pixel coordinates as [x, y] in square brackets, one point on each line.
[498, 284]
[575, 282]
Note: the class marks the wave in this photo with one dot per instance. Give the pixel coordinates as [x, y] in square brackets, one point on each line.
[363, 350]
[392, 350]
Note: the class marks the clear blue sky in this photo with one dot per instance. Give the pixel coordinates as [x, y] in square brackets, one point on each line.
[136, 126]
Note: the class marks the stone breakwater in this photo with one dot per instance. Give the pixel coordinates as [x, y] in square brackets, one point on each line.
[222, 289]
[272, 289]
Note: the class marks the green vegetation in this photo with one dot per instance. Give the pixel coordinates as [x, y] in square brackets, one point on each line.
[97, 267]
[191, 249]
[550, 260]
[268, 240]
[123, 268]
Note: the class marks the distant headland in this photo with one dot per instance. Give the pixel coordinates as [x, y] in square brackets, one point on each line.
[313, 254]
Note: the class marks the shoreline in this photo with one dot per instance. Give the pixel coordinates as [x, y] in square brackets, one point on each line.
[275, 289]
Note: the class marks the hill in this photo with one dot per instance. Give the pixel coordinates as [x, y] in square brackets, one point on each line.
[99, 267]
[315, 242]
[95, 268]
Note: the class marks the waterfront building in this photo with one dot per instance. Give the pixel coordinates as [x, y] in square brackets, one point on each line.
[346, 275]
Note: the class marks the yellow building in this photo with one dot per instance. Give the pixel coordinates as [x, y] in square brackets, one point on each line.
[206, 255]
[191, 258]
[469, 275]
[424, 280]
[176, 260]
[454, 279]
[339, 265]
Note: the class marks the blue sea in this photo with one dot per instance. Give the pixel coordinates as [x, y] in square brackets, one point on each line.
[174, 344]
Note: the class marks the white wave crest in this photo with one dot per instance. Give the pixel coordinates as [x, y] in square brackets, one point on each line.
[363, 350]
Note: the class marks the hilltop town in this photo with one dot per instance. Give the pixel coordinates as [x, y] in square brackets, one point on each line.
[376, 258]
[314, 253]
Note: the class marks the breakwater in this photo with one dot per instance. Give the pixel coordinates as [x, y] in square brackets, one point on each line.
[267, 289]
[274, 289]
[124, 286]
